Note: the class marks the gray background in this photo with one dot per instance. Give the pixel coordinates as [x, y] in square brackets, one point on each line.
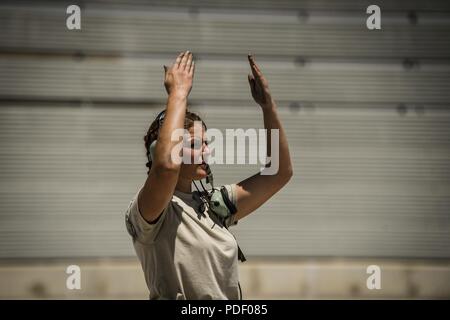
[366, 114]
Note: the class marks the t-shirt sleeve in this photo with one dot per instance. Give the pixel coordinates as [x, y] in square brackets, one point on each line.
[231, 188]
[138, 227]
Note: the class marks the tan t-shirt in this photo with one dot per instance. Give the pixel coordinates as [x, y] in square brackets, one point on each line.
[187, 253]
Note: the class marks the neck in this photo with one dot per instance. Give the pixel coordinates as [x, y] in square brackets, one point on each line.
[184, 185]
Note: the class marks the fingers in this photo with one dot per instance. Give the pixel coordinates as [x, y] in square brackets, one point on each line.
[254, 67]
[185, 60]
[189, 62]
[178, 60]
[252, 61]
[192, 68]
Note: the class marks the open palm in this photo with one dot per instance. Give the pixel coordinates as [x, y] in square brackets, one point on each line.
[258, 84]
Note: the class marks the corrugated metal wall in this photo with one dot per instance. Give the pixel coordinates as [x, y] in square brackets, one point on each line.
[366, 113]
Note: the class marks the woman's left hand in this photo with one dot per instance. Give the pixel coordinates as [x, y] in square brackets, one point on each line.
[259, 85]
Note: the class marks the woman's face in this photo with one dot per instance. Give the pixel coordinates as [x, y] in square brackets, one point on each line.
[196, 148]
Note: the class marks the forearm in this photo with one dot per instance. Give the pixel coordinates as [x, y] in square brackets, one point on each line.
[257, 189]
[173, 121]
[272, 121]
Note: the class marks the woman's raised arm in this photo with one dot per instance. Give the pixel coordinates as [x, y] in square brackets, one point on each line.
[252, 192]
[162, 179]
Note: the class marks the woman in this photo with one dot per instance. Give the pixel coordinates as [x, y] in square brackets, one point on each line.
[186, 252]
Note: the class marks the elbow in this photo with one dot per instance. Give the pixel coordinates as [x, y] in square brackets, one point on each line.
[289, 174]
[286, 175]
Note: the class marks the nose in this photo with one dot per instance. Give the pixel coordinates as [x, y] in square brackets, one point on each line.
[206, 153]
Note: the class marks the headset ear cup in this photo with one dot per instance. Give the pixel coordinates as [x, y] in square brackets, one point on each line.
[151, 155]
[217, 204]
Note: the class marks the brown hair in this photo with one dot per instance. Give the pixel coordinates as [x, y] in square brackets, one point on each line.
[152, 133]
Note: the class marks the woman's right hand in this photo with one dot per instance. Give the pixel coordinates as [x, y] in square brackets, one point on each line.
[179, 77]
